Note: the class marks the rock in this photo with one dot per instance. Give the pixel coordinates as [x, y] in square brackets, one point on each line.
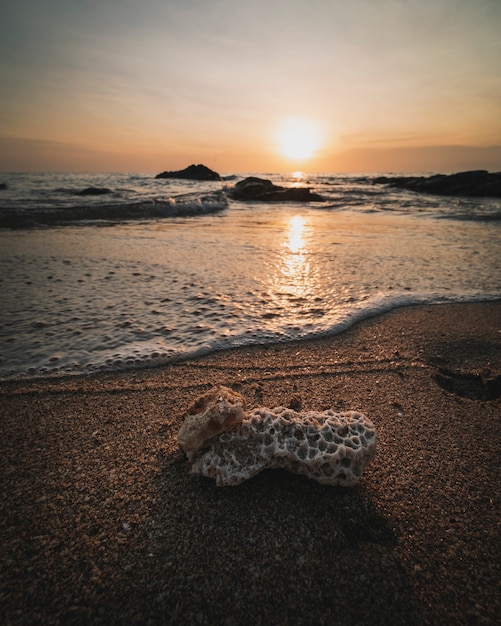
[263, 190]
[476, 183]
[3, 186]
[251, 188]
[93, 191]
[192, 172]
[230, 445]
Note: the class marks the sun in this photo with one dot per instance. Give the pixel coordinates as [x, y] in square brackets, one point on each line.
[298, 138]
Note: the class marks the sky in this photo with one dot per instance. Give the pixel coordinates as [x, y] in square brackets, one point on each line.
[150, 85]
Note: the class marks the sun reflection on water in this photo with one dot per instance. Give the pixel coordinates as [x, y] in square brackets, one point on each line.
[297, 179]
[296, 234]
[292, 281]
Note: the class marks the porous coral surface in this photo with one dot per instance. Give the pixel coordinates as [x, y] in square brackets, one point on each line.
[331, 448]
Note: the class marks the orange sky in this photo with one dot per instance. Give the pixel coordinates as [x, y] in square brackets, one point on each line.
[391, 85]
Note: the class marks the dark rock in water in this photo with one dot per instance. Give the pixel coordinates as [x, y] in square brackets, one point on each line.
[93, 191]
[192, 172]
[263, 190]
[476, 183]
[3, 186]
[250, 188]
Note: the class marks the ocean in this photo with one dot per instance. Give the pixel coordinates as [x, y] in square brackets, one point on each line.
[158, 269]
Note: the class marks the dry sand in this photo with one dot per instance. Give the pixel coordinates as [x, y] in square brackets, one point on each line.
[101, 522]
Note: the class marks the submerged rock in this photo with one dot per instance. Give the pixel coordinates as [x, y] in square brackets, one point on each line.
[475, 183]
[93, 191]
[192, 172]
[263, 190]
[225, 442]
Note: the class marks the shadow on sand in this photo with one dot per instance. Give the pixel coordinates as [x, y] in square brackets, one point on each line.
[279, 549]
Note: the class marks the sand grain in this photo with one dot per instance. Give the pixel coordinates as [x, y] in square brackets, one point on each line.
[102, 523]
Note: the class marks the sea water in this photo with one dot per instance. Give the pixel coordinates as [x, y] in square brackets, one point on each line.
[90, 285]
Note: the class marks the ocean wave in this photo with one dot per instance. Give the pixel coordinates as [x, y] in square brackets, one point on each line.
[30, 200]
[493, 216]
[183, 206]
[155, 351]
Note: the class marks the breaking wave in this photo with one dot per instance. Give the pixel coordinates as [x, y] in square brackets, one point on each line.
[189, 205]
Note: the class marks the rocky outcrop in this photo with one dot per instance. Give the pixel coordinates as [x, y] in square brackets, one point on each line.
[192, 172]
[263, 190]
[93, 191]
[476, 183]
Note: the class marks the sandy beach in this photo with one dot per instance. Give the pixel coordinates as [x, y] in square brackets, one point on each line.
[102, 523]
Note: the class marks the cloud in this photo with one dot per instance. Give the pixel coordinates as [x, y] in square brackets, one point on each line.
[37, 155]
[446, 159]
[219, 75]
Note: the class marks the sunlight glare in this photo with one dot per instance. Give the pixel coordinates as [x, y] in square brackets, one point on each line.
[298, 138]
[296, 234]
[296, 267]
[291, 280]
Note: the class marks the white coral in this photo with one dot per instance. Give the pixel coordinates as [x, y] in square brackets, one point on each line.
[210, 414]
[332, 448]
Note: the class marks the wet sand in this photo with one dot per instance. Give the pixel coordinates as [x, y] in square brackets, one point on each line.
[102, 523]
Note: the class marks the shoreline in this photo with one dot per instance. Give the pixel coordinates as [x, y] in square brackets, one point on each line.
[102, 522]
[339, 328]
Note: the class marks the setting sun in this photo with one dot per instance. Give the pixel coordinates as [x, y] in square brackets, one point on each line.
[298, 138]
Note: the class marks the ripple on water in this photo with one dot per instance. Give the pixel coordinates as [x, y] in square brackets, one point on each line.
[147, 300]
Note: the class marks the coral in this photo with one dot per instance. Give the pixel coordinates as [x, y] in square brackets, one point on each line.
[213, 413]
[331, 448]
